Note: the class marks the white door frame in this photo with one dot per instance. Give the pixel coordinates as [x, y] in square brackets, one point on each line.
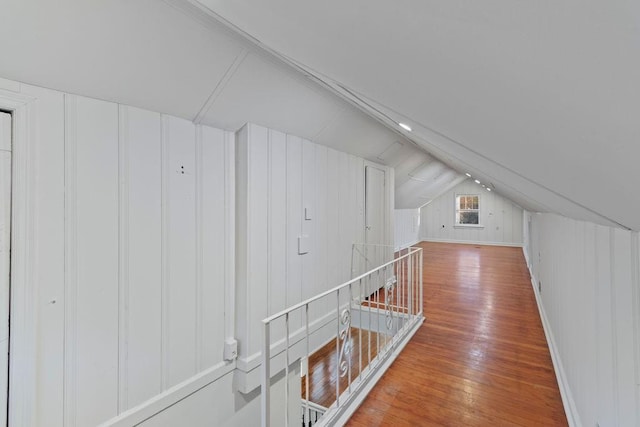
[385, 200]
[23, 304]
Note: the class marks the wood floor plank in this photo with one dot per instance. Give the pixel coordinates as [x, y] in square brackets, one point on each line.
[481, 357]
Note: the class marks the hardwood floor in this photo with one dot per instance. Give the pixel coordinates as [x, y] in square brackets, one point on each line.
[480, 359]
[322, 366]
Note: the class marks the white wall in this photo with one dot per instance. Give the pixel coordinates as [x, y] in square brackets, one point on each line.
[131, 258]
[501, 219]
[279, 177]
[406, 227]
[129, 261]
[586, 278]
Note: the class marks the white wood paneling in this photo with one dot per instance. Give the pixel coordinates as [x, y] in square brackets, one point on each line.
[48, 272]
[92, 268]
[406, 227]
[279, 176]
[295, 213]
[500, 218]
[141, 257]
[113, 219]
[586, 278]
[215, 255]
[179, 337]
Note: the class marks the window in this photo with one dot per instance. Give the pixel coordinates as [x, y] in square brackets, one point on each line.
[468, 209]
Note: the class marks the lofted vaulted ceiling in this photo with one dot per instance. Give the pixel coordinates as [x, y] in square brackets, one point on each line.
[541, 98]
[538, 99]
[178, 58]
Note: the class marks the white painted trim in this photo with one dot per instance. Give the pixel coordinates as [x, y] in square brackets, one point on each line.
[573, 418]
[23, 335]
[170, 397]
[474, 242]
[220, 86]
[230, 233]
[468, 226]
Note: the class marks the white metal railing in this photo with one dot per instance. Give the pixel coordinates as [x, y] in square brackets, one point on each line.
[370, 318]
[311, 413]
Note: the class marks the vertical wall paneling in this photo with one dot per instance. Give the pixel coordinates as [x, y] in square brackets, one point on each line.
[321, 236]
[165, 253]
[277, 229]
[307, 215]
[406, 227]
[241, 304]
[229, 207]
[123, 260]
[278, 178]
[635, 288]
[140, 254]
[604, 327]
[294, 226]
[501, 220]
[111, 249]
[93, 260]
[589, 283]
[213, 227]
[71, 269]
[181, 295]
[48, 272]
[625, 338]
[257, 228]
[333, 218]
[199, 254]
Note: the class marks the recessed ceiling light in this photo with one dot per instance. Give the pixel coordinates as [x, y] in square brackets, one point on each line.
[484, 186]
[468, 174]
[477, 182]
[405, 127]
[488, 189]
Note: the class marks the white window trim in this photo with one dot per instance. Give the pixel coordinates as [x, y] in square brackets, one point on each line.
[455, 211]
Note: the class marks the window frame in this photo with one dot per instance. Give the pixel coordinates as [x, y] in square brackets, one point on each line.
[456, 210]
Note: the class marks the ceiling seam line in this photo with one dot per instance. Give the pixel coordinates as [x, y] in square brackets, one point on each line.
[222, 84]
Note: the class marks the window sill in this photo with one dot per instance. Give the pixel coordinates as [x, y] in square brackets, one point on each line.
[468, 226]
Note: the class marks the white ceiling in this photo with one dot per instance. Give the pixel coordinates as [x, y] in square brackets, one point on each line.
[542, 98]
[176, 58]
[539, 99]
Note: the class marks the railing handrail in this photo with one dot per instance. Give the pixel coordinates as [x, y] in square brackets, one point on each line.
[314, 406]
[301, 304]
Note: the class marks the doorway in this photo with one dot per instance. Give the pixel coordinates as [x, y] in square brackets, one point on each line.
[5, 259]
[375, 218]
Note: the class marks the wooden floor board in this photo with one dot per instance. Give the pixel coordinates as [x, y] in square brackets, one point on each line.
[481, 357]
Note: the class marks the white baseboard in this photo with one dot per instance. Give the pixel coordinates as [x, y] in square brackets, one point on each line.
[570, 409]
[170, 397]
[472, 242]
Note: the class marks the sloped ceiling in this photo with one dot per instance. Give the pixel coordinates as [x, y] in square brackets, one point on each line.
[177, 58]
[539, 98]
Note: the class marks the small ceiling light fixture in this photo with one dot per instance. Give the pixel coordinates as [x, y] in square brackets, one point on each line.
[405, 127]
[468, 174]
[477, 182]
[488, 189]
